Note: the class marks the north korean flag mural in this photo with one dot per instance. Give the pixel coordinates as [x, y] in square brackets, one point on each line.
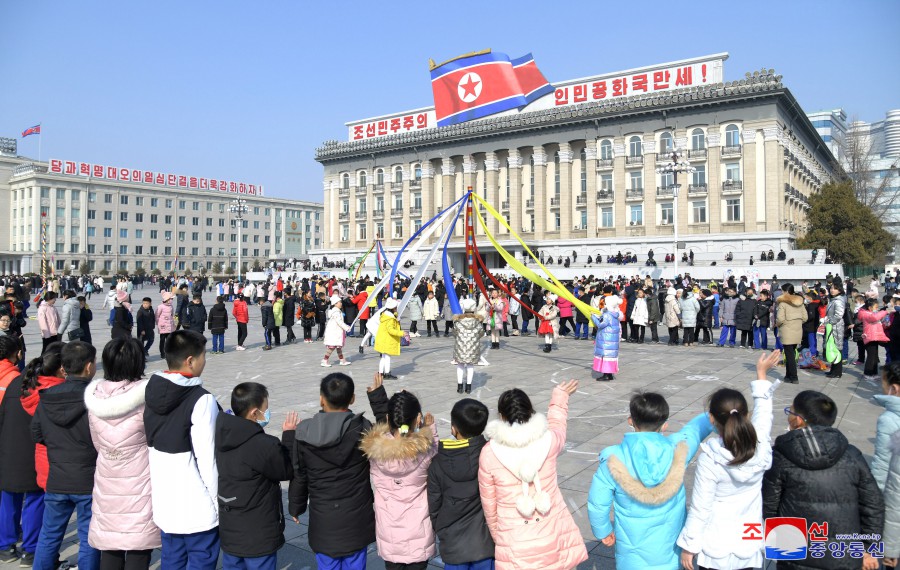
[484, 83]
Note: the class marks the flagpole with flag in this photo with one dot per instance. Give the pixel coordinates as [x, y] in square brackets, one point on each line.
[35, 130]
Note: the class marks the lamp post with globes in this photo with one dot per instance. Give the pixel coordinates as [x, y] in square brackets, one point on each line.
[238, 208]
[675, 165]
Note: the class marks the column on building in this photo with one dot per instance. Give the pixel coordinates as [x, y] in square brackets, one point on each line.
[774, 168]
[331, 211]
[590, 155]
[448, 183]
[516, 197]
[683, 206]
[542, 222]
[748, 177]
[428, 190]
[351, 217]
[492, 172]
[714, 178]
[565, 190]
[620, 184]
[408, 175]
[650, 184]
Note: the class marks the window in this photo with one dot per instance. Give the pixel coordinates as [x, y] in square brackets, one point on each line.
[379, 230]
[154, 234]
[379, 177]
[361, 232]
[195, 221]
[698, 139]
[398, 229]
[221, 222]
[92, 214]
[255, 210]
[154, 202]
[698, 177]
[635, 146]
[91, 231]
[362, 179]
[698, 212]
[361, 205]
[107, 248]
[139, 201]
[168, 203]
[583, 158]
[60, 193]
[255, 239]
[637, 180]
[196, 206]
[606, 150]
[732, 136]
[139, 217]
[123, 216]
[345, 182]
[606, 182]
[181, 220]
[138, 250]
[665, 143]
[168, 235]
[181, 236]
[733, 210]
[606, 217]
[60, 230]
[123, 199]
[583, 219]
[76, 213]
[209, 221]
[182, 204]
[733, 171]
[636, 215]
[181, 250]
[417, 200]
[417, 225]
[60, 213]
[92, 197]
[556, 175]
[123, 232]
[531, 181]
[417, 172]
[107, 232]
[666, 179]
[345, 233]
[266, 212]
[76, 195]
[195, 236]
[398, 175]
[398, 201]
[209, 206]
[91, 248]
[666, 213]
[107, 215]
[195, 251]
[556, 221]
[168, 219]
[256, 224]
[268, 225]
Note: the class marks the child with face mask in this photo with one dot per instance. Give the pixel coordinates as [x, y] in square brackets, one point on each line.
[251, 466]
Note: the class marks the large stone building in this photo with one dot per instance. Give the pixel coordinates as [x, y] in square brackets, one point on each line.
[117, 225]
[583, 176]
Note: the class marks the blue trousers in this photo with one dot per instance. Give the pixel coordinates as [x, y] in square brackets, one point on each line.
[486, 564]
[230, 562]
[27, 508]
[581, 330]
[197, 551]
[355, 561]
[716, 316]
[268, 335]
[218, 342]
[778, 345]
[525, 325]
[760, 338]
[728, 333]
[57, 512]
[813, 343]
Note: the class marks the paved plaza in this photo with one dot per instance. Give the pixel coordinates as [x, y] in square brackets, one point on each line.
[597, 412]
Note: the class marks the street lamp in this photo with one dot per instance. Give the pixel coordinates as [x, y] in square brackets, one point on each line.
[675, 165]
[238, 207]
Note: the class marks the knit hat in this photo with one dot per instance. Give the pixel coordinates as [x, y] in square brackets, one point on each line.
[468, 305]
[166, 295]
[121, 296]
[391, 304]
[553, 297]
[612, 302]
[335, 299]
[670, 291]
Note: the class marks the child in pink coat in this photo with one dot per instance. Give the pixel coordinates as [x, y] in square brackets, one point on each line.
[400, 452]
[523, 506]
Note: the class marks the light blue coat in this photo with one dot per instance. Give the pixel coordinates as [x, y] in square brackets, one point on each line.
[609, 331]
[888, 424]
[640, 478]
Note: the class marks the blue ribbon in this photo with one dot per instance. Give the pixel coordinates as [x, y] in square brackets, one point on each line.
[445, 266]
[390, 284]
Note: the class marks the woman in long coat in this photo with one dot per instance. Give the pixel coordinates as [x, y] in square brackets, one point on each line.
[606, 345]
[834, 316]
[672, 316]
[789, 318]
[467, 344]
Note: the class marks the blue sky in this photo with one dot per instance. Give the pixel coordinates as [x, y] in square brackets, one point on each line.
[246, 90]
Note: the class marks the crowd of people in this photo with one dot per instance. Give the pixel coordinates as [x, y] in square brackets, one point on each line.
[155, 463]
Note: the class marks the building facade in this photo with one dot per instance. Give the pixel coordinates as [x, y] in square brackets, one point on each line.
[113, 226]
[584, 177]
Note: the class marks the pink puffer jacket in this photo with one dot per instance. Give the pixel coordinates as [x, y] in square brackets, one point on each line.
[165, 321]
[565, 307]
[533, 531]
[122, 515]
[873, 330]
[399, 468]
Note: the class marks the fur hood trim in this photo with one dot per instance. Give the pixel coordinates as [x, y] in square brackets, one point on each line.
[380, 445]
[659, 494]
[476, 316]
[118, 405]
[795, 300]
[517, 435]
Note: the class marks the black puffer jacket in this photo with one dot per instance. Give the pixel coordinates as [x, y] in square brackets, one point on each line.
[218, 319]
[251, 465]
[704, 317]
[762, 313]
[17, 472]
[454, 502]
[196, 317]
[816, 474]
[743, 314]
[61, 423]
[332, 475]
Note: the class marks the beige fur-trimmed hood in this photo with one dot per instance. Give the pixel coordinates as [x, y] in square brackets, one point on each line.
[380, 445]
[657, 494]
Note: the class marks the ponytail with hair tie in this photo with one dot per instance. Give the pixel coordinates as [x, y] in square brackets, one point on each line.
[729, 410]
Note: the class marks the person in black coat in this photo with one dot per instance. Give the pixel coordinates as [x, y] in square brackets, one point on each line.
[181, 303]
[817, 475]
[454, 500]
[331, 474]
[85, 317]
[251, 466]
[146, 323]
[322, 306]
[268, 321]
[812, 323]
[761, 320]
[122, 320]
[196, 315]
[288, 314]
[704, 316]
[743, 317]
[218, 324]
[307, 316]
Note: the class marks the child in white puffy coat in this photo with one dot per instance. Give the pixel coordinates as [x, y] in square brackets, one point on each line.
[727, 492]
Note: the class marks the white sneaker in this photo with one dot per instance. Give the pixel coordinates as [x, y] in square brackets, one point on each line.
[239, 348]
[325, 364]
[344, 363]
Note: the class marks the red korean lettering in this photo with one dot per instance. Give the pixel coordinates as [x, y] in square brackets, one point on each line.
[136, 175]
[382, 128]
[148, 177]
[598, 90]
[252, 189]
[242, 188]
[579, 93]
[357, 132]
[684, 76]
[223, 186]
[125, 174]
[70, 167]
[84, 169]
[160, 179]
[370, 130]
[395, 124]
[561, 96]
[56, 166]
[752, 531]
[214, 184]
[818, 532]
[182, 181]
[192, 182]
[204, 184]
[112, 172]
[421, 121]
[639, 82]
[408, 122]
[171, 180]
[661, 79]
[232, 187]
[98, 171]
[620, 87]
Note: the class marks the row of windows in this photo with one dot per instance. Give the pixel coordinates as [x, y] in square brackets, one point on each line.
[362, 178]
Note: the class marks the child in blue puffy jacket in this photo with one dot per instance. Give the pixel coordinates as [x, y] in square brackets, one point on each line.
[606, 344]
[643, 479]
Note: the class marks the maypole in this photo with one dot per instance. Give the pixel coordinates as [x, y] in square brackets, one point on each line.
[470, 237]
[43, 250]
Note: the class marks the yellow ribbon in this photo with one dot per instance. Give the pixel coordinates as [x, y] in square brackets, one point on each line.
[362, 262]
[556, 287]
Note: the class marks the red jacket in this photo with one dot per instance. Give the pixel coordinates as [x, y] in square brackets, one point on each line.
[30, 404]
[8, 373]
[361, 300]
[240, 311]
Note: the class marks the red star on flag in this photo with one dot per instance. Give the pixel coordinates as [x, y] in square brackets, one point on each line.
[469, 87]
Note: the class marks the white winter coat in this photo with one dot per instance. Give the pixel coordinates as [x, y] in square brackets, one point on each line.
[335, 327]
[639, 314]
[891, 532]
[726, 497]
[430, 310]
[414, 308]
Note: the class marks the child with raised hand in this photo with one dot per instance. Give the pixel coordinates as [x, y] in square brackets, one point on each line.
[888, 421]
[453, 497]
[523, 506]
[727, 495]
[400, 452]
[644, 478]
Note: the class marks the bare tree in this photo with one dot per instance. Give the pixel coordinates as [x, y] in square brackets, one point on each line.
[862, 165]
